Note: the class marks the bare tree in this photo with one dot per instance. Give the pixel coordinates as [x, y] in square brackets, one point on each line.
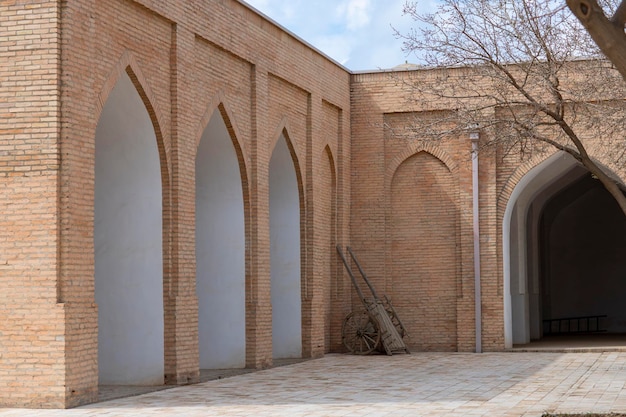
[525, 72]
[607, 33]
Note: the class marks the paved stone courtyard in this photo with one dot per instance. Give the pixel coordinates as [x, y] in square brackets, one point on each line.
[421, 384]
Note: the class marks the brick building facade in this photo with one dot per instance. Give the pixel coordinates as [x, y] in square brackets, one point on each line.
[176, 173]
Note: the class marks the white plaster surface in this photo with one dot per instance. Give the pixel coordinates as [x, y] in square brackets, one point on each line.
[128, 242]
[285, 254]
[514, 230]
[220, 251]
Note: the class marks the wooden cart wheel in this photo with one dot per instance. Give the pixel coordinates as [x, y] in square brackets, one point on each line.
[360, 333]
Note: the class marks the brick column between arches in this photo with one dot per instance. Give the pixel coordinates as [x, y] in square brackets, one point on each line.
[180, 302]
[258, 298]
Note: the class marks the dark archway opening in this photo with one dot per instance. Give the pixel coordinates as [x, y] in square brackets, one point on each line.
[564, 241]
[582, 261]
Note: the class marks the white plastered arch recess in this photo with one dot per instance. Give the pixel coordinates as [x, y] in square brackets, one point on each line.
[220, 250]
[128, 242]
[285, 253]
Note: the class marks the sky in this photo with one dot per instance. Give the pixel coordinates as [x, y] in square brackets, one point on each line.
[356, 33]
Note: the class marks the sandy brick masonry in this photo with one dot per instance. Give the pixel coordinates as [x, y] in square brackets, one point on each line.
[60, 61]
[32, 333]
[411, 209]
[405, 208]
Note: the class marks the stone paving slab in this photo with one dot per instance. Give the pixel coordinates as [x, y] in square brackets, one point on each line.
[421, 384]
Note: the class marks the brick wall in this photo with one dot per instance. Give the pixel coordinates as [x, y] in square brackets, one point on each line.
[411, 217]
[31, 317]
[404, 206]
[423, 223]
[187, 60]
[412, 223]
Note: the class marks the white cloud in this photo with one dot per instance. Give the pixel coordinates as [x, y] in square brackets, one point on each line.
[355, 33]
[356, 13]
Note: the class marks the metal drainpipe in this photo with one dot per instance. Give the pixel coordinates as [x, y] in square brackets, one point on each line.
[474, 137]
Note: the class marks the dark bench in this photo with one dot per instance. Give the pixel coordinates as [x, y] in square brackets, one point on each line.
[584, 324]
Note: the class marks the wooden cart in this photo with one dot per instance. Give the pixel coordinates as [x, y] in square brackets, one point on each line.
[377, 325]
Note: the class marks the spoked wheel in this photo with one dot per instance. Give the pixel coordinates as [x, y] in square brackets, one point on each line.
[360, 333]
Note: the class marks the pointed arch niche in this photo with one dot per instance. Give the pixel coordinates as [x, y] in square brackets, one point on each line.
[423, 223]
[220, 250]
[285, 253]
[128, 242]
[326, 209]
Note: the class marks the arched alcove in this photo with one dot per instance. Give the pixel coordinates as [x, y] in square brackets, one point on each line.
[522, 301]
[423, 223]
[285, 254]
[563, 249]
[220, 250]
[128, 242]
[326, 209]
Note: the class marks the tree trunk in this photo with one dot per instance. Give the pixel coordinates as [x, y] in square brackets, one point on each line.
[607, 33]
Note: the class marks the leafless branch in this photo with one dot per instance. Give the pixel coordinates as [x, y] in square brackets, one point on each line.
[526, 72]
